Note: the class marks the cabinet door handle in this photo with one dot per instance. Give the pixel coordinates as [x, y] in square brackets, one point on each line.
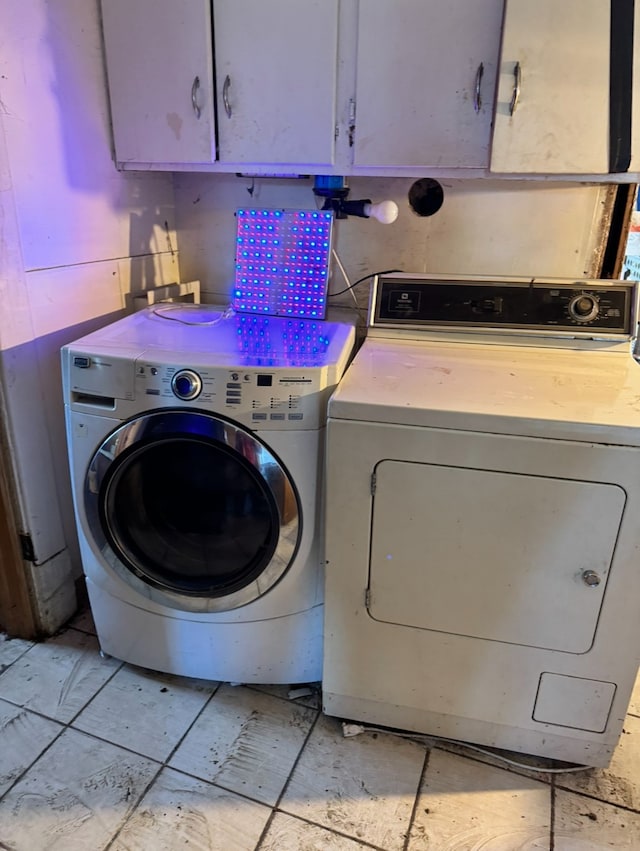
[194, 97]
[477, 96]
[225, 95]
[517, 80]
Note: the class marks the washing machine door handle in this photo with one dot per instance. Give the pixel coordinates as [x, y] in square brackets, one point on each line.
[192, 510]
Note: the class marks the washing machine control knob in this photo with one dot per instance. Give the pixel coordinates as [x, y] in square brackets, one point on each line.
[186, 384]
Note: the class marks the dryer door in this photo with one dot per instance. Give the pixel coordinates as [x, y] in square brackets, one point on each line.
[192, 510]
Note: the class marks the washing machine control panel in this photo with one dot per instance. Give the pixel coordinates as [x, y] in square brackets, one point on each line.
[274, 398]
[262, 372]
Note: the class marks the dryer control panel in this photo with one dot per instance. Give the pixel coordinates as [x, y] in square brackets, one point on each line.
[535, 304]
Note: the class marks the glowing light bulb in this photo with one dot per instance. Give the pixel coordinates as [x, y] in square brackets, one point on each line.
[384, 211]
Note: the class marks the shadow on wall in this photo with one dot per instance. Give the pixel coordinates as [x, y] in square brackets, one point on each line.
[149, 234]
[19, 364]
[100, 213]
[78, 83]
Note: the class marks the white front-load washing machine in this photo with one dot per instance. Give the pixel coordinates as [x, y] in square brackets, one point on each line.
[195, 443]
[483, 495]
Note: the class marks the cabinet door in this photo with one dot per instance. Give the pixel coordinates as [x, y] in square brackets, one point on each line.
[159, 66]
[555, 117]
[426, 74]
[276, 63]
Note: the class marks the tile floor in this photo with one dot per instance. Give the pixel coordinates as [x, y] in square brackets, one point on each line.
[96, 754]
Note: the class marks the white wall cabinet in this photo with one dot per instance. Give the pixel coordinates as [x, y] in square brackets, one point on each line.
[552, 108]
[160, 73]
[275, 66]
[369, 87]
[270, 93]
[425, 82]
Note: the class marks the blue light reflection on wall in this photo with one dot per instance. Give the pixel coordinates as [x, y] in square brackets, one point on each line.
[282, 262]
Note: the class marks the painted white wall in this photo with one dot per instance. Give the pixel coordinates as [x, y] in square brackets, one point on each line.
[484, 227]
[75, 237]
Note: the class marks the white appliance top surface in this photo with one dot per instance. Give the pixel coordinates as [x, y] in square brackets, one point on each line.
[221, 338]
[585, 395]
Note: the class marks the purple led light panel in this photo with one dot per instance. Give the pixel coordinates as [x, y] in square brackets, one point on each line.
[282, 262]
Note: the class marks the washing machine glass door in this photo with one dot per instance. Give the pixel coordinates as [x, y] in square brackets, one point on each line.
[194, 508]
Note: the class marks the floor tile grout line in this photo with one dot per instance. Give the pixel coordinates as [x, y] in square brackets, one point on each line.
[114, 744]
[68, 726]
[124, 821]
[133, 809]
[33, 711]
[364, 843]
[79, 629]
[591, 797]
[161, 762]
[165, 763]
[13, 661]
[531, 773]
[64, 725]
[414, 808]
[85, 704]
[277, 808]
[296, 701]
[117, 744]
[33, 762]
[93, 697]
[552, 815]
[217, 785]
[458, 749]
[193, 722]
[162, 765]
[285, 786]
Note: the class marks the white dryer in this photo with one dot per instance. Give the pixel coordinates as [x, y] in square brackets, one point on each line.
[483, 496]
[195, 443]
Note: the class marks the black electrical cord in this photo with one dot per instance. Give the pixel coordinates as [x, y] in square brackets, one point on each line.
[361, 280]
